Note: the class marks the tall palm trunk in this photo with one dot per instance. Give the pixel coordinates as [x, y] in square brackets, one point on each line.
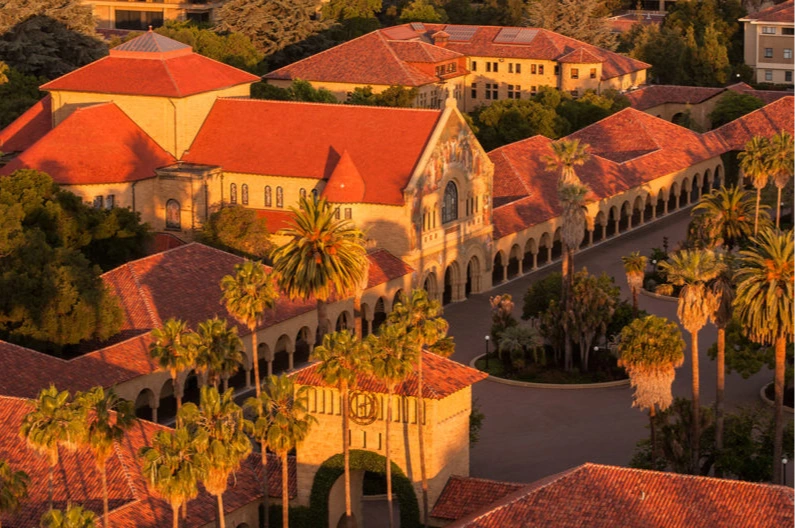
[756, 213]
[175, 516]
[346, 454]
[653, 438]
[781, 350]
[721, 384]
[221, 520]
[357, 314]
[50, 490]
[104, 475]
[285, 493]
[255, 355]
[322, 321]
[390, 506]
[178, 394]
[568, 361]
[696, 426]
[778, 208]
[265, 486]
[421, 433]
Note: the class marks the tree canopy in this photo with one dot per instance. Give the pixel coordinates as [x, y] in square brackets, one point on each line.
[238, 230]
[298, 91]
[235, 49]
[395, 96]
[18, 92]
[733, 105]
[580, 19]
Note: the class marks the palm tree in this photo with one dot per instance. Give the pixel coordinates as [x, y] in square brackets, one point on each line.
[635, 268]
[391, 361]
[722, 296]
[106, 420]
[289, 427]
[323, 256]
[53, 422]
[693, 270]
[171, 469]
[567, 154]
[218, 350]
[247, 295]
[170, 348]
[262, 409]
[755, 163]
[727, 213]
[650, 349]
[764, 306]
[13, 488]
[217, 426]
[73, 517]
[340, 356]
[782, 160]
[425, 329]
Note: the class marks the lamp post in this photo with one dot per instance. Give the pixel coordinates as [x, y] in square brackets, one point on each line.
[488, 338]
[784, 469]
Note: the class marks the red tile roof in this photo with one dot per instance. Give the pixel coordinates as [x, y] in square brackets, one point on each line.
[28, 128]
[320, 133]
[345, 185]
[656, 95]
[95, 144]
[767, 96]
[384, 266]
[440, 378]
[77, 481]
[275, 219]
[622, 23]
[152, 65]
[599, 496]
[580, 56]
[464, 495]
[765, 121]
[165, 241]
[418, 51]
[778, 13]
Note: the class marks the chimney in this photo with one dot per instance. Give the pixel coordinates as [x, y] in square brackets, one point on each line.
[440, 38]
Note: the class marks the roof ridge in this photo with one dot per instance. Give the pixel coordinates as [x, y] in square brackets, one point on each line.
[26, 349]
[517, 173]
[400, 61]
[322, 52]
[42, 87]
[145, 298]
[335, 105]
[173, 81]
[125, 469]
[777, 101]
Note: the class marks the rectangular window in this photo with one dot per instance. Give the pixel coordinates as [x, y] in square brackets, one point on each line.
[787, 53]
[593, 73]
[518, 68]
[337, 213]
[532, 69]
[514, 91]
[788, 31]
[768, 30]
[510, 67]
[474, 96]
[488, 66]
[488, 90]
[474, 68]
[557, 70]
[494, 94]
[540, 69]
[451, 68]
[99, 202]
[139, 20]
[439, 71]
[768, 53]
[533, 90]
[575, 73]
[769, 75]
[495, 67]
[787, 76]
[110, 201]
[348, 216]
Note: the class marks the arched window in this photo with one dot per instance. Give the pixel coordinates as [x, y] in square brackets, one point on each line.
[244, 194]
[268, 196]
[279, 197]
[302, 193]
[173, 213]
[232, 193]
[450, 204]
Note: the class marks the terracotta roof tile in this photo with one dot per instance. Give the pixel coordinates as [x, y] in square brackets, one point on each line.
[655, 95]
[765, 121]
[581, 56]
[599, 496]
[345, 185]
[28, 128]
[767, 96]
[440, 377]
[384, 266]
[95, 144]
[778, 13]
[321, 133]
[275, 219]
[418, 51]
[464, 495]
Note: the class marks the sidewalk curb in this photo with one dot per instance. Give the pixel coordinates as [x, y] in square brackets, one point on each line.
[769, 403]
[564, 386]
[647, 293]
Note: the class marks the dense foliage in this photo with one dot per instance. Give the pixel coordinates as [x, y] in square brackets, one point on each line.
[732, 106]
[583, 20]
[18, 92]
[237, 230]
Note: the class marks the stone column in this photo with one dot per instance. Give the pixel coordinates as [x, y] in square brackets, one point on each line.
[590, 236]
[604, 230]
[629, 220]
[520, 266]
[617, 222]
[654, 212]
[665, 206]
[154, 411]
[505, 271]
[270, 366]
[369, 326]
[248, 378]
[642, 215]
[549, 254]
[535, 260]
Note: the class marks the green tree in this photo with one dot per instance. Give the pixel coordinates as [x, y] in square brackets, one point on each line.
[289, 427]
[764, 306]
[299, 90]
[755, 164]
[247, 295]
[52, 423]
[516, 341]
[713, 58]
[394, 96]
[18, 92]
[238, 230]
[733, 105]
[73, 517]
[726, 215]
[650, 348]
[426, 331]
[106, 419]
[230, 48]
[262, 410]
[322, 255]
[341, 356]
[782, 160]
[693, 270]
[539, 295]
[170, 348]
[170, 468]
[422, 11]
[217, 427]
[667, 51]
[722, 297]
[217, 351]
[13, 488]
[511, 120]
[593, 303]
[579, 19]
[348, 9]
[635, 268]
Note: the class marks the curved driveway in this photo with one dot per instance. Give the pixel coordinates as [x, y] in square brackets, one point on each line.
[531, 433]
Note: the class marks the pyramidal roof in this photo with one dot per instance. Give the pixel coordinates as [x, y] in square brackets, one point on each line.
[345, 185]
[151, 45]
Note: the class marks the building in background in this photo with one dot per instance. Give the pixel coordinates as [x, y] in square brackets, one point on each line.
[138, 15]
[769, 39]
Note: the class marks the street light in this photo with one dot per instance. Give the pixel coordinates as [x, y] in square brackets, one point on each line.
[784, 468]
[488, 338]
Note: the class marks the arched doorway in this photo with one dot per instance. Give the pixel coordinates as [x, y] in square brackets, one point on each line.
[429, 285]
[145, 405]
[301, 354]
[167, 408]
[660, 205]
[706, 182]
[190, 391]
[398, 298]
[717, 181]
[684, 194]
[281, 354]
[626, 217]
[379, 314]
[497, 273]
[600, 227]
[695, 186]
[263, 353]
[449, 285]
[673, 198]
[530, 254]
[545, 249]
[343, 323]
[473, 277]
[680, 118]
[612, 222]
[513, 261]
[557, 245]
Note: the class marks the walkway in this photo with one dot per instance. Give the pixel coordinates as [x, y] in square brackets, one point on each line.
[532, 433]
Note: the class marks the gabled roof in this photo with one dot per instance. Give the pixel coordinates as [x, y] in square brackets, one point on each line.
[28, 128]
[440, 378]
[581, 56]
[464, 495]
[242, 135]
[419, 51]
[384, 267]
[345, 185]
[599, 496]
[765, 121]
[778, 13]
[95, 144]
[77, 481]
[152, 65]
[656, 95]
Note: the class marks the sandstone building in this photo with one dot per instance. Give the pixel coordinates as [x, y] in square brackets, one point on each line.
[769, 41]
[124, 14]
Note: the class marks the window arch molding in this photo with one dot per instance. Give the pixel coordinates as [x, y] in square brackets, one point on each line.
[173, 214]
[450, 202]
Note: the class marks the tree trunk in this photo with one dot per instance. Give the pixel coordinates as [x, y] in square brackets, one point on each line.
[285, 492]
[653, 439]
[322, 319]
[265, 486]
[52, 470]
[421, 433]
[226, 383]
[221, 520]
[756, 213]
[255, 360]
[696, 426]
[178, 394]
[721, 383]
[357, 314]
[778, 207]
[781, 352]
[346, 452]
[390, 506]
[634, 301]
[104, 476]
[174, 516]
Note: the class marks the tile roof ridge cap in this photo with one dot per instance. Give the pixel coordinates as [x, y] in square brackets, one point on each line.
[400, 61]
[334, 105]
[156, 322]
[153, 255]
[205, 57]
[26, 349]
[42, 87]
[91, 354]
[322, 52]
[481, 479]
[126, 470]
[743, 117]
[525, 140]
[171, 78]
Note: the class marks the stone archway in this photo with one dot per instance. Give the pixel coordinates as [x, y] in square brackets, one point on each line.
[659, 208]
[281, 354]
[343, 322]
[673, 197]
[637, 212]
[167, 407]
[451, 281]
[612, 222]
[430, 285]
[146, 405]
[397, 298]
[557, 246]
[498, 270]
[706, 182]
[546, 253]
[302, 348]
[473, 277]
[515, 262]
[717, 181]
[379, 314]
[684, 194]
[625, 218]
[530, 259]
[190, 388]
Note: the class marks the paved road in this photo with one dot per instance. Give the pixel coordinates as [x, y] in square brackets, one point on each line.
[532, 433]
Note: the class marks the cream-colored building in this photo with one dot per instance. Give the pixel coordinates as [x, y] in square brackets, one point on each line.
[477, 64]
[140, 15]
[769, 43]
